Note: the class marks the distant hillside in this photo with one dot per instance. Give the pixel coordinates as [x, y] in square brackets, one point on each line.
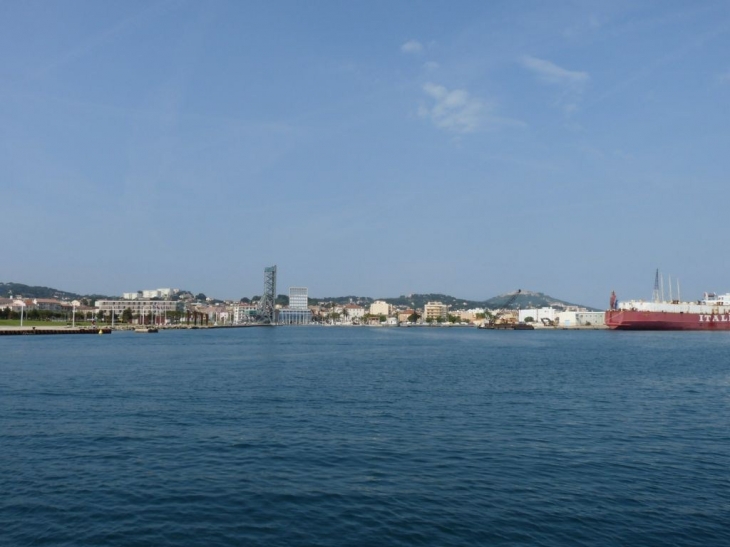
[361, 300]
[29, 291]
[419, 300]
[526, 299]
[529, 299]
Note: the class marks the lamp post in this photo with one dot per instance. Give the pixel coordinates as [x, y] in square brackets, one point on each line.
[73, 313]
[21, 304]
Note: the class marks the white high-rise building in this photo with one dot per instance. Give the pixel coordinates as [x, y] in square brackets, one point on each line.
[298, 298]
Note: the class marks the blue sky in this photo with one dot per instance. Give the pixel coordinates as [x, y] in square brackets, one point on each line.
[370, 148]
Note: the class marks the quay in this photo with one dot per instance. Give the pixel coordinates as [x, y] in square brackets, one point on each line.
[32, 331]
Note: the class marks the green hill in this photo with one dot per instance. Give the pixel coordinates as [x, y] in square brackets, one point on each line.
[31, 291]
[526, 299]
[529, 299]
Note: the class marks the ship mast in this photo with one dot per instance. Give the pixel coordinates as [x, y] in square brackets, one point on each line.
[671, 298]
[678, 296]
[656, 286]
[661, 284]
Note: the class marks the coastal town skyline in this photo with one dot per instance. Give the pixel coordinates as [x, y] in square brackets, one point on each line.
[176, 308]
[30, 292]
[374, 149]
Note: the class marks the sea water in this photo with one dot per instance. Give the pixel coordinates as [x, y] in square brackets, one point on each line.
[365, 436]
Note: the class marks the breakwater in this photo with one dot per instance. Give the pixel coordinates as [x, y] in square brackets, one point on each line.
[32, 331]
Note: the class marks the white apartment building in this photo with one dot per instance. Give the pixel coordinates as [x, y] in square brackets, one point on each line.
[243, 313]
[149, 294]
[380, 307]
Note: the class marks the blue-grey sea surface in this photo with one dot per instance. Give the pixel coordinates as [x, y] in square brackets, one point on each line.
[365, 436]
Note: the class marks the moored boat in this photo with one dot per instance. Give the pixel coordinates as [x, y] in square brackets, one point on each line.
[712, 312]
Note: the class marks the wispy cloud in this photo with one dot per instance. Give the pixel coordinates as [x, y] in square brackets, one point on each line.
[553, 74]
[100, 38]
[572, 83]
[431, 65]
[583, 27]
[453, 110]
[412, 46]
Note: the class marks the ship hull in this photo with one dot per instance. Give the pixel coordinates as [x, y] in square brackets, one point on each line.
[657, 320]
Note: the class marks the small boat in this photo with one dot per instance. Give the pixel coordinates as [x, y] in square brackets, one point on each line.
[146, 329]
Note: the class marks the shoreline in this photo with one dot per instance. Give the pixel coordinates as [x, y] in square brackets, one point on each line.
[106, 329]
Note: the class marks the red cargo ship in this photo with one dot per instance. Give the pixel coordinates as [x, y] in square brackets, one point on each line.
[710, 313]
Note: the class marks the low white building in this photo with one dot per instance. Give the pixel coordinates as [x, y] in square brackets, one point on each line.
[138, 307]
[538, 314]
[590, 318]
[294, 316]
[570, 319]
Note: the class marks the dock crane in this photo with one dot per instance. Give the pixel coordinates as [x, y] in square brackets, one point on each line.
[491, 322]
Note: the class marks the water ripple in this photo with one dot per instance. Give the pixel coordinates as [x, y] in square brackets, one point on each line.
[365, 437]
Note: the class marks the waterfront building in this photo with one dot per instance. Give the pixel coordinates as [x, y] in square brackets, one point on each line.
[298, 298]
[466, 316]
[403, 315]
[42, 304]
[292, 316]
[353, 312]
[244, 312]
[218, 315]
[380, 307]
[298, 312]
[580, 319]
[48, 304]
[138, 307]
[538, 314]
[590, 318]
[435, 310]
[132, 295]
